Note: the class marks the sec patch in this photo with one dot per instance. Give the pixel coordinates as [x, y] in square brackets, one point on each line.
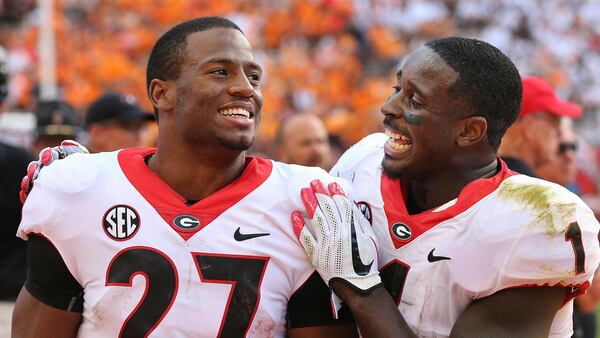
[121, 222]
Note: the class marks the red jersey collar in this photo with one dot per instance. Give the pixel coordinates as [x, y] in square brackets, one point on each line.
[393, 196]
[169, 204]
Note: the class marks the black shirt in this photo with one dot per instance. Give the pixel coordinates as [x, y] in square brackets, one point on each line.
[519, 166]
[13, 268]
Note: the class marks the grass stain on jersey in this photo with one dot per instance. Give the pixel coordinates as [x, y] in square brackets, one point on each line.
[553, 271]
[545, 201]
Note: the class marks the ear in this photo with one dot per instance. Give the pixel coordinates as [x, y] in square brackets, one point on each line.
[471, 130]
[162, 94]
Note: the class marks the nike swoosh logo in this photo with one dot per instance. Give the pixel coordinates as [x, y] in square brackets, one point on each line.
[238, 236]
[360, 268]
[431, 258]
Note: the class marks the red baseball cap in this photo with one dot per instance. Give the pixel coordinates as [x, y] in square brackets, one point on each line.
[539, 96]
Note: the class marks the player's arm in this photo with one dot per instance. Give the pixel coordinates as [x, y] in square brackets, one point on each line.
[329, 331]
[342, 247]
[51, 301]
[375, 312]
[516, 312]
[32, 318]
[310, 313]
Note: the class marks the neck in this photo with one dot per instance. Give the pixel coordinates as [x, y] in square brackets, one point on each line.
[196, 173]
[431, 193]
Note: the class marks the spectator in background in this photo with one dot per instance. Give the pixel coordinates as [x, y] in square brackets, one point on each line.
[13, 267]
[303, 139]
[114, 122]
[562, 169]
[533, 139]
[56, 121]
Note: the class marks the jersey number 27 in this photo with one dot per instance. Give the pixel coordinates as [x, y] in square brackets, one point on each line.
[244, 273]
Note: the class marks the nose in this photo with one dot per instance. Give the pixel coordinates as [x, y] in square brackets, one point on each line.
[391, 108]
[242, 87]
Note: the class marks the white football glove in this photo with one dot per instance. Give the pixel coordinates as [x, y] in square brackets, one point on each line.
[45, 158]
[337, 237]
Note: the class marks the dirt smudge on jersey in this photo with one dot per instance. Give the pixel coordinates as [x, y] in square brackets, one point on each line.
[545, 201]
[264, 326]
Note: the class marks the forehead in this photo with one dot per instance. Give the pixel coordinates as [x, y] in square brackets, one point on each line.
[428, 71]
[219, 42]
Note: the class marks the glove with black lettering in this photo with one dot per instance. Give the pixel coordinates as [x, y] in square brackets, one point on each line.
[337, 237]
[46, 157]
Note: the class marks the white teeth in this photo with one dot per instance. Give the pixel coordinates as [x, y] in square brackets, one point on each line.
[399, 146]
[236, 112]
[396, 136]
[391, 134]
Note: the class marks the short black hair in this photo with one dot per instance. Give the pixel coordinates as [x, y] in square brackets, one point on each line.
[170, 49]
[488, 81]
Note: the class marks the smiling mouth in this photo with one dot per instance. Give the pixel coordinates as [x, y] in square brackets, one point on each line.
[237, 113]
[398, 141]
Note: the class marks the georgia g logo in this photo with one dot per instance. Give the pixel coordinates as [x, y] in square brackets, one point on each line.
[186, 222]
[121, 222]
[401, 231]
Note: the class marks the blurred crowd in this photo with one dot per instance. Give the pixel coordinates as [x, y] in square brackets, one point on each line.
[327, 57]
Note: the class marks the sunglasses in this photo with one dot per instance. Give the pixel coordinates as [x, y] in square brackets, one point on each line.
[563, 147]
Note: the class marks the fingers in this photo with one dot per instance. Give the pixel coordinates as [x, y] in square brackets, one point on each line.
[297, 223]
[25, 183]
[334, 216]
[343, 203]
[312, 198]
[32, 169]
[318, 187]
[47, 155]
[335, 189]
[310, 201]
[304, 236]
[68, 143]
[70, 147]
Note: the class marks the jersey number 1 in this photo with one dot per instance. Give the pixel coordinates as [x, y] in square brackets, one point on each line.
[244, 273]
[573, 234]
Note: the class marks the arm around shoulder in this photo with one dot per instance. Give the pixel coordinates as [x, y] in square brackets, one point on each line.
[515, 312]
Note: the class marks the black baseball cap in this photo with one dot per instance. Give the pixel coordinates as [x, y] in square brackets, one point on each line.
[56, 117]
[114, 106]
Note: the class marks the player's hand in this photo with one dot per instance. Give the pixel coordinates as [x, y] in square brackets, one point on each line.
[46, 157]
[337, 237]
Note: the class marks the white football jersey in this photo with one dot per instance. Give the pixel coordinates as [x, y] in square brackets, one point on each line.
[150, 264]
[507, 231]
